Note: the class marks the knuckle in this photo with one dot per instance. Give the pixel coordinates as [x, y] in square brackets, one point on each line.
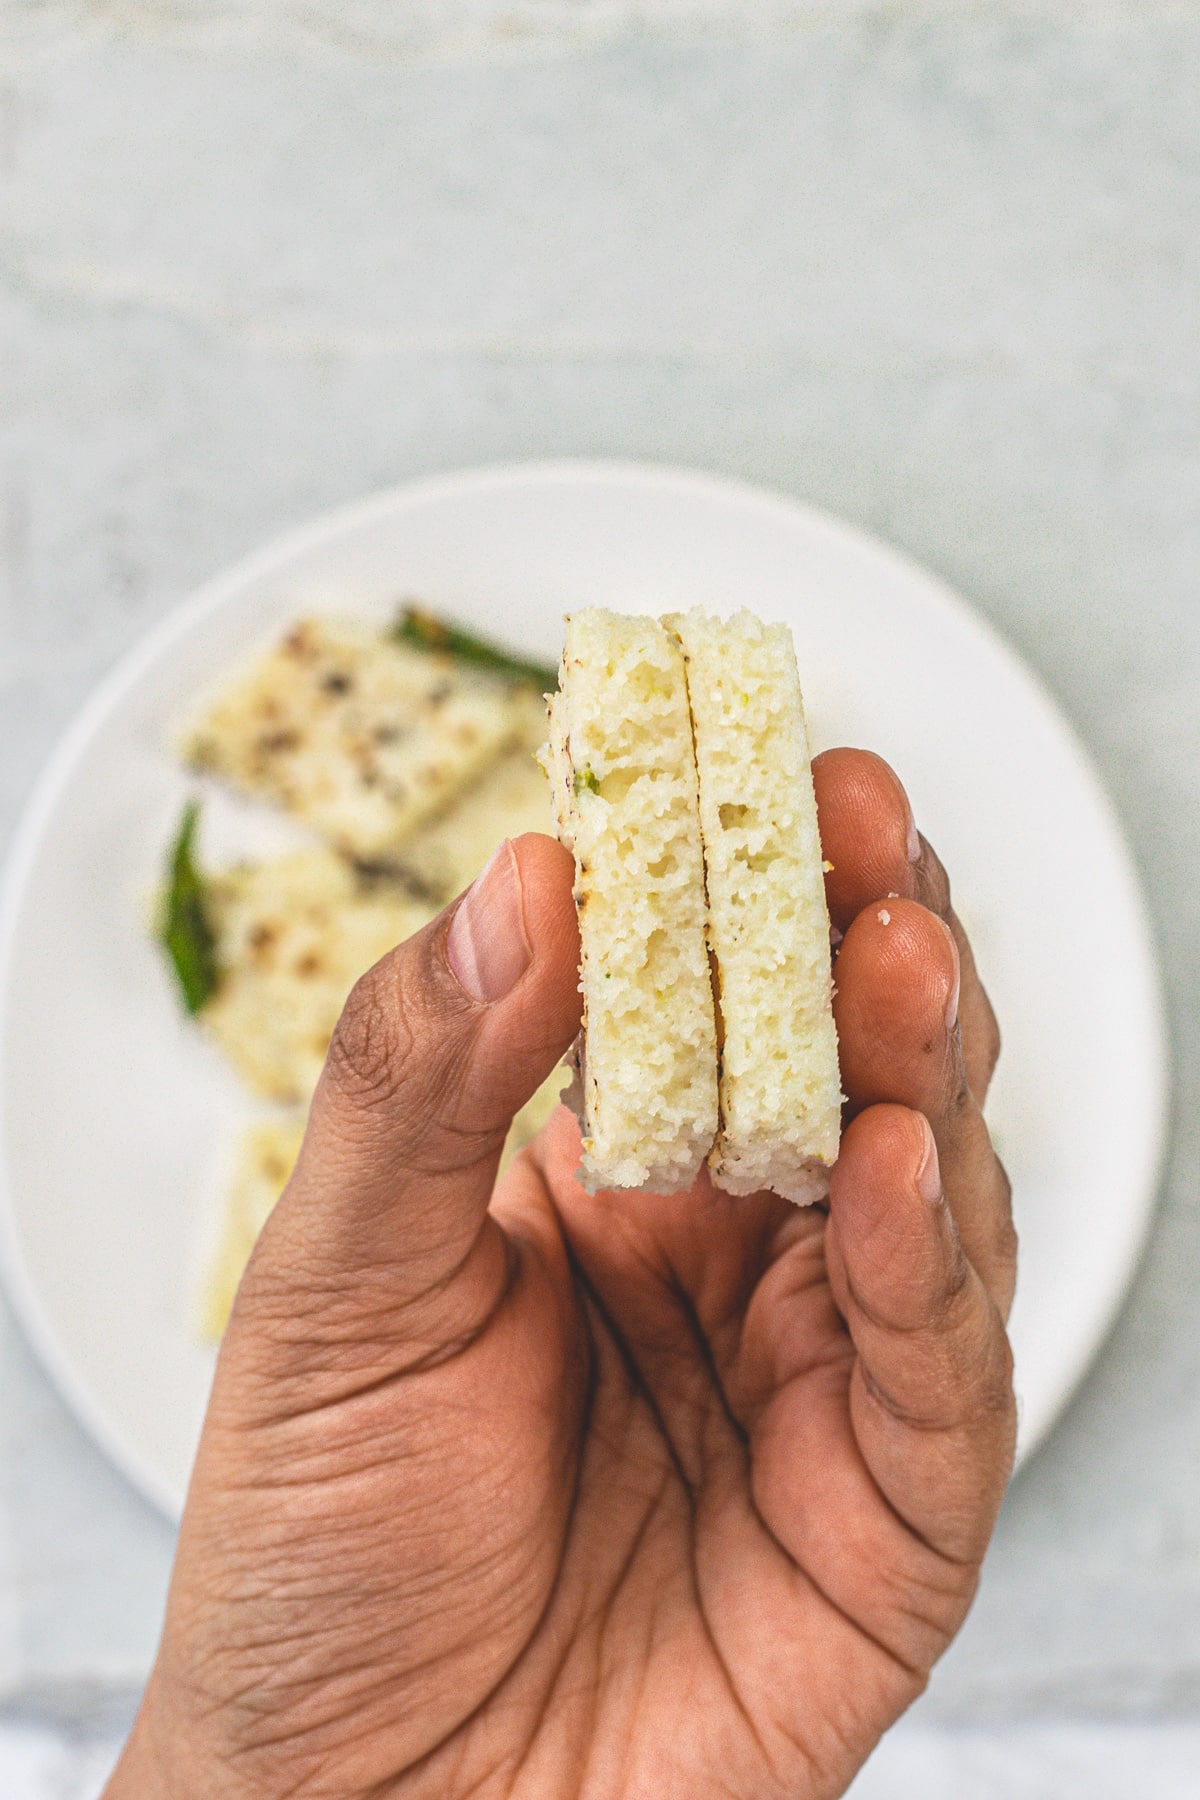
[983, 1365]
[958, 1102]
[1002, 1236]
[955, 1291]
[994, 1404]
[372, 1043]
[989, 1031]
[1007, 1244]
[958, 1320]
[1004, 1259]
[383, 1062]
[932, 881]
[996, 1381]
[1006, 1367]
[981, 1043]
[977, 1372]
[1006, 1230]
[931, 1600]
[924, 1287]
[955, 1373]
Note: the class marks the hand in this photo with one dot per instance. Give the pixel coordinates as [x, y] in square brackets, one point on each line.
[531, 1493]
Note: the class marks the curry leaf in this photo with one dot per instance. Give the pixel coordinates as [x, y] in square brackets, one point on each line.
[422, 629]
[185, 929]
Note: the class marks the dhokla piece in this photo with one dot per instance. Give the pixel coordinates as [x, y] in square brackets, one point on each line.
[266, 1155]
[768, 927]
[292, 936]
[509, 798]
[361, 738]
[623, 779]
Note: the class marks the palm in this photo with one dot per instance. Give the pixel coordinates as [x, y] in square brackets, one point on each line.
[722, 1548]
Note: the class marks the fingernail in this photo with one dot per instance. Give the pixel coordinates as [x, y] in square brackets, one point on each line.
[486, 946]
[955, 986]
[929, 1176]
[914, 839]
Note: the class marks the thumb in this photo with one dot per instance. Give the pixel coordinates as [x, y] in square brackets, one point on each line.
[437, 1047]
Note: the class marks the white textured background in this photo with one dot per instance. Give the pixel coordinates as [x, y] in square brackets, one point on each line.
[934, 267]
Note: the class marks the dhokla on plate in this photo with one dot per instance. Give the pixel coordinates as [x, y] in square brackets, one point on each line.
[359, 737]
[292, 936]
[265, 1156]
[510, 797]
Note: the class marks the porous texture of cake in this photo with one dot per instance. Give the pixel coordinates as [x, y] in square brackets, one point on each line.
[623, 778]
[768, 928]
[292, 937]
[361, 738]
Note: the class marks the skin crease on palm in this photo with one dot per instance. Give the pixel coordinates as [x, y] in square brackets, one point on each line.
[607, 1496]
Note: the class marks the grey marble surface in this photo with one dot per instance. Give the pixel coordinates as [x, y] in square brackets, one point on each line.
[936, 268]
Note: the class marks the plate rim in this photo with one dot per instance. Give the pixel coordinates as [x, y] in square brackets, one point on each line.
[105, 697]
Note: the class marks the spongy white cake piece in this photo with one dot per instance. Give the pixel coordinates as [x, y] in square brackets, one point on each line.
[768, 928]
[361, 738]
[293, 935]
[623, 779]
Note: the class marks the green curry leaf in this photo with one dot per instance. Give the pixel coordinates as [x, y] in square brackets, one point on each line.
[185, 929]
[423, 630]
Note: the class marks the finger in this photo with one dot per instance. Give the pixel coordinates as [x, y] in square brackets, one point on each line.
[869, 835]
[438, 1046]
[896, 1007]
[980, 1030]
[931, 1398]
[679, 1272]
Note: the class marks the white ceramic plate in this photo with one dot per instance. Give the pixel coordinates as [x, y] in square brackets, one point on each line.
[115, 1118]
